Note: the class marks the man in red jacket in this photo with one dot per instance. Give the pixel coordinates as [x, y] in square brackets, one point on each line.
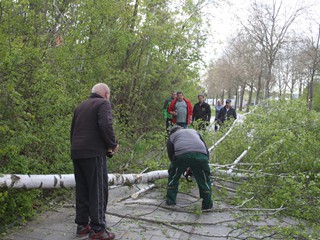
[181, 110]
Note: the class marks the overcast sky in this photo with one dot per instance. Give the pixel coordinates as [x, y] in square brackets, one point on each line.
[224, 22]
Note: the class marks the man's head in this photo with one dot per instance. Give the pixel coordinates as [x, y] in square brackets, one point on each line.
[102, 89]
[173, 95]
[228, 103]
[174, 129]
[201, 98]
[180, 96]
[219, 102]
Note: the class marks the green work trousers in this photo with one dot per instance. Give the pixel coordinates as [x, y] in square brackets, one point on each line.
[199, 164]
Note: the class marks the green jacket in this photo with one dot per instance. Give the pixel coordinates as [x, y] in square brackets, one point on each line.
[165, 108]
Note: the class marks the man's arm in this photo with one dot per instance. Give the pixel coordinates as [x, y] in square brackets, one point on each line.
[105, 122]
[165, 108]
[190, 109]
[166, 103]
[221, 116]
[194, 112]
[170, 150]
[171, 107]
[72, 127]
[208, 110]
[234, 114]
[204, 144]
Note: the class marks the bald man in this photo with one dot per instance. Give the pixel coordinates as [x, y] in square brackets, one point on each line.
[92, 135]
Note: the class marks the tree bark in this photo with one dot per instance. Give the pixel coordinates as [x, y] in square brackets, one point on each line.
[250, 97]
[258, 86]
[242, 96]
[67, 180]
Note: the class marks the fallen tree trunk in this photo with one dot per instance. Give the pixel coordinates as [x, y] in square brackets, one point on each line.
[37, 181]
[67, 180]
[238, 160]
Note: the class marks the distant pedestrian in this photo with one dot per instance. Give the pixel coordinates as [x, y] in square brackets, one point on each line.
[181, 110]
[188, 152]
[201, 113]
[227, 113]
[218, 107]
[168, 116]
[92, 136]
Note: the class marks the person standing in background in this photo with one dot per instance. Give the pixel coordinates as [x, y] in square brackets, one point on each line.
[201, 112]
[166, 114]
[227, 112]
[181, 110]
[218, 107]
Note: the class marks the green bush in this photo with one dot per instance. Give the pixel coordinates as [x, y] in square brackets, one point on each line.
[283, 160]
[18, 206]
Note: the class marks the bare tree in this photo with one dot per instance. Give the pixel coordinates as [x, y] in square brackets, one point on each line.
[240, 69]
[249, 65]
[311, 59]
[299, 73]
[296, 74]
[282, 70]
[218, 78]
[268, 26]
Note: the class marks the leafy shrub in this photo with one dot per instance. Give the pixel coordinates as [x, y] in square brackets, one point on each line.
[283, 160]
[21, 204]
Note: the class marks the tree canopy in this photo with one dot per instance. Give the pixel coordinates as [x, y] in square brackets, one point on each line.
[53, 52]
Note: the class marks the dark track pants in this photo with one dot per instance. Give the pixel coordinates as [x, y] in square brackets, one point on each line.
[91, 191]
[200, 166]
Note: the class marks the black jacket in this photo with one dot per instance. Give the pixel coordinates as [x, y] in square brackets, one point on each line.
[202, 112]
[225, 115]
[92, 128]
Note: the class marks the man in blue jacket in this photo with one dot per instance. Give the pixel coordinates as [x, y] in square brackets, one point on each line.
[187, 151]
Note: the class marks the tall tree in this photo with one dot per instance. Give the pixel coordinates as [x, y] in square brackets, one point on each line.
[53, 52]
[312, 63]
[268, 25]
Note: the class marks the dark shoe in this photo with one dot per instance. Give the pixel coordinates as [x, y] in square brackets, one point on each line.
[83, 231]
[102, 235]
[170, 203]
[207, 207]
